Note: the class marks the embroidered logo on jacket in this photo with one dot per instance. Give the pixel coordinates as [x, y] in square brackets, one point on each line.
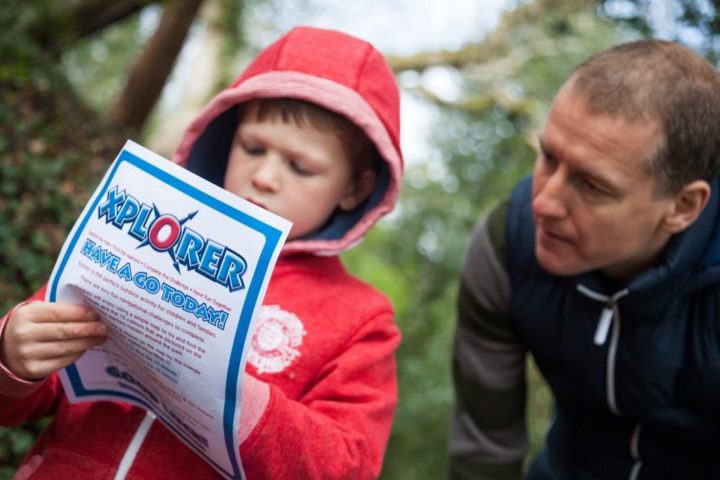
[275, 343]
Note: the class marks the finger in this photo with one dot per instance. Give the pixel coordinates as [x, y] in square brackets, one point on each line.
[49, 358]
[40, 312]
[59, 331]
[40, 369]
[65, 348]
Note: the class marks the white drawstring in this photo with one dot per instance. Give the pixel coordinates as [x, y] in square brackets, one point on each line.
[635, 452]
[609, 312]
[603, 326]
[134, 446]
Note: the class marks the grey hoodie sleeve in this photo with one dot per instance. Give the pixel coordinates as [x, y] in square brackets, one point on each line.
[487, 438]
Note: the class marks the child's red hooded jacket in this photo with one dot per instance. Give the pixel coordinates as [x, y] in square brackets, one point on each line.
[320, 393]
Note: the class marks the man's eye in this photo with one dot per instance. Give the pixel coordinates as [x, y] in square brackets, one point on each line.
[591, 187]
[544, 163]
[298, 168]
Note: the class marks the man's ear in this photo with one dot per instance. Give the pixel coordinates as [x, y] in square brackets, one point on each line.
[359, 191]
[688, 205]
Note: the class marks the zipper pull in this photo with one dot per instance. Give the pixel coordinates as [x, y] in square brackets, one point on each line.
[603, 326]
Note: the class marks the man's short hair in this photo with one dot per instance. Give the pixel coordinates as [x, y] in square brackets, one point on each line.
[663, 82]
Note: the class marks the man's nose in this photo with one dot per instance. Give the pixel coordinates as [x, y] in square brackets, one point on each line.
[550, 195]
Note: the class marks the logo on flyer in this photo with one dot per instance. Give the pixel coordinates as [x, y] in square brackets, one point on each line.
[167, 233]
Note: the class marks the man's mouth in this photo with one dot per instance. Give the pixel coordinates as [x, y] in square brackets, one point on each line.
[548, 235]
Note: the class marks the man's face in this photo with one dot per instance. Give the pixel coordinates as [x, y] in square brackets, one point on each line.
[594, 199]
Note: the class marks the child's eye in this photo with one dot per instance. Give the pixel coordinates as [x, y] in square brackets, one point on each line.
[298, 168]
[253, 150]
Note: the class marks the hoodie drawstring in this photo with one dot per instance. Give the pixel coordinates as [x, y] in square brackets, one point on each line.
[606, 316]
[134, 446]
[635, 452]
[609, 312]
[610, 315]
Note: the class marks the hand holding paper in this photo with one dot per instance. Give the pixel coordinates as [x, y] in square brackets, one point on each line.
[41, 338]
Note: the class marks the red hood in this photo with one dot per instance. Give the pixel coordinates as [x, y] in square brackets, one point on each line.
[331, 69]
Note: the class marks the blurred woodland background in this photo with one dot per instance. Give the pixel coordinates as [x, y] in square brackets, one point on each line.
[79, 77]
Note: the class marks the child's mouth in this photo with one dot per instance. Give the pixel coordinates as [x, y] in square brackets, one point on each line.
[256, 203]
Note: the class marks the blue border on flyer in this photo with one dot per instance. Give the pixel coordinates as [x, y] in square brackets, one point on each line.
[272, 238]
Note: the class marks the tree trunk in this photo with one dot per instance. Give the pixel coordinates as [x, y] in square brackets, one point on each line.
[151, 70]
[192, 94]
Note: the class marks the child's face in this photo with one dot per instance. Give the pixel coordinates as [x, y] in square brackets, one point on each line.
[298, 172]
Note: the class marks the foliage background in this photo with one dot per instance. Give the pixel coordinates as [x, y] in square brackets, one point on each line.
[56, 142]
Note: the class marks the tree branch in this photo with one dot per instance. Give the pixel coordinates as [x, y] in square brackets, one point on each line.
[495, 45]
[91, 16]
[59, 26]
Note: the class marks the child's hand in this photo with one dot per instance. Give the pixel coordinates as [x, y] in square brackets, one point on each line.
[41, 338]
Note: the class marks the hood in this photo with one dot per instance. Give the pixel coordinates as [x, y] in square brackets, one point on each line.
[708, 271]
[334, 70]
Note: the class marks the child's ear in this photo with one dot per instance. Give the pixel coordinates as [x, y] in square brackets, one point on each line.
[687, 206]
[359, 191]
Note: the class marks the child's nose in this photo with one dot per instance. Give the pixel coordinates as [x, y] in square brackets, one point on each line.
[265, 176]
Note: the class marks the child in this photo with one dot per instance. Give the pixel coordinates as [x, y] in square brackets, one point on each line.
[309, 131]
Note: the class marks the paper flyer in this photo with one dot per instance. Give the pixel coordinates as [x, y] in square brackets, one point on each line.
[177, 267]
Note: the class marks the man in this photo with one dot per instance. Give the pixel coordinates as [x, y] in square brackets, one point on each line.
[606, 267]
